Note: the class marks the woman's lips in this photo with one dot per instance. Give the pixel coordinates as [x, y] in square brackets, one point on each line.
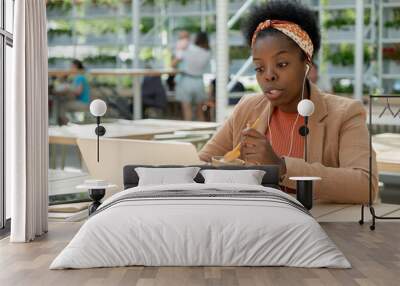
[274, 94]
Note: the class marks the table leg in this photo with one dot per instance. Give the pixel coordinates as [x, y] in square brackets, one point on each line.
[137, 98]
[304, 193]
[53, 156]
[63, 156]
[96, 195]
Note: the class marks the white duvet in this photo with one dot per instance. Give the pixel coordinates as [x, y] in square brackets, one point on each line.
[200, 231]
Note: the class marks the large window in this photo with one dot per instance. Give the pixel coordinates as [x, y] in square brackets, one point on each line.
[6, 43]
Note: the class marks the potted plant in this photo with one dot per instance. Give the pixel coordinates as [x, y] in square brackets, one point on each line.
[393, 26]
[391, 59]
[147, 23]
[341, 24]
[101, 61]
[181, 6]
[341, 60]
[57, 8]
[237, 57]
[343, 86]
[101, 7]
[96, 31]
[59, 62]
[59, 36]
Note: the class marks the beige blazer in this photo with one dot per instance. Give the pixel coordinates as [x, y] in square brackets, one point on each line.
[338, 145]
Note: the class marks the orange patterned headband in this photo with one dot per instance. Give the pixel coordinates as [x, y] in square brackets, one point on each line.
[291, 30]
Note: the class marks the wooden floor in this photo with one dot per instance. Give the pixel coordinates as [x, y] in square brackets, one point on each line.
[374, 255]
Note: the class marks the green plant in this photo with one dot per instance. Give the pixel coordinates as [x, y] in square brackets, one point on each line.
[126, 25]
[100, 59]
[51, 61]
[126, 82]
[193, 25]
[254, 88]
[153, 2]
[146, 54]
[110, 3]
[52, 33]
[54, 60]
[339, 88]
[146, 24]
[98, 26]
[236, 52]
[346, 17]
[105, 81]
[395, 22]
[344, 55]
[63, 5]
[237, 25]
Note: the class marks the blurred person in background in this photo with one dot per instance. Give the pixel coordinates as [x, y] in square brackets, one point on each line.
[209, 107]
[182, 43]
[76, 96]
[154, 97]
[180, 46]
[193, 63]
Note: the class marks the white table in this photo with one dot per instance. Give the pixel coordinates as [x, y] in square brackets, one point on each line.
[128, 129]
[387, 147]
[144, 129]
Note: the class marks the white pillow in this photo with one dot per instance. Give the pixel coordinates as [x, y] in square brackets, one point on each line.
[165, 176]
[248, 177]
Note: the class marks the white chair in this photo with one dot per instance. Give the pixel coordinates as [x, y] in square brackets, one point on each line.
[116, 153]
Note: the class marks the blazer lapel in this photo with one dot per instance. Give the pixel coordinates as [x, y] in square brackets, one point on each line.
[316, 126]
[265, 116]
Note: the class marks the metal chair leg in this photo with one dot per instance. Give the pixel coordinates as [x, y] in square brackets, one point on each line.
[361, 221]
[372, 210]
[63, 156]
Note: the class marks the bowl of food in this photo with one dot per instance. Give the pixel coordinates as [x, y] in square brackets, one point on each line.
[219, 161]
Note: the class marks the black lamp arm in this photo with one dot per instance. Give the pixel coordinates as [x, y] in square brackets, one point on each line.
[303, 131]
[100, 131]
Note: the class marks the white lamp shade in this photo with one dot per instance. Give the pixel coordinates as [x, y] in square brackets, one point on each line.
[98, 107]
[305, 107]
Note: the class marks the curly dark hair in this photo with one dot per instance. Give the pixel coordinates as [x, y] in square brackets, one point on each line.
[79, 65]
[285, 10]
[201, 40]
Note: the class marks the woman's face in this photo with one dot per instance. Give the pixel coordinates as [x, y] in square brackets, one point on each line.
[74, 68]
[280, 70]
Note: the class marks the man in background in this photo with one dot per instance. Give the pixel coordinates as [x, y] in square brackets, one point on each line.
[74, 97]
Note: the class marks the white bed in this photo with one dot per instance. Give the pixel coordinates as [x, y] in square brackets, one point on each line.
[250, 226]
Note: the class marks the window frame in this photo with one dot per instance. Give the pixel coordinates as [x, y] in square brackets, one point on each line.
[6, 39]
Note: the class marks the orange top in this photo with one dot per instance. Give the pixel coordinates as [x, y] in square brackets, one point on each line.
[281, 125]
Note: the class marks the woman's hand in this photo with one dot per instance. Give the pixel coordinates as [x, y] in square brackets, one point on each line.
[256, 149]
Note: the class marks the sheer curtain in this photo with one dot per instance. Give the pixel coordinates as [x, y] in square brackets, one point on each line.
[27, 123]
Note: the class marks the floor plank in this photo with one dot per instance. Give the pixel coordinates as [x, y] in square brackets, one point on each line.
[374, 255]
[322, 209]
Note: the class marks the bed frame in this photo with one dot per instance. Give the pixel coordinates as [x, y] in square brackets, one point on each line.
[270, 179]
